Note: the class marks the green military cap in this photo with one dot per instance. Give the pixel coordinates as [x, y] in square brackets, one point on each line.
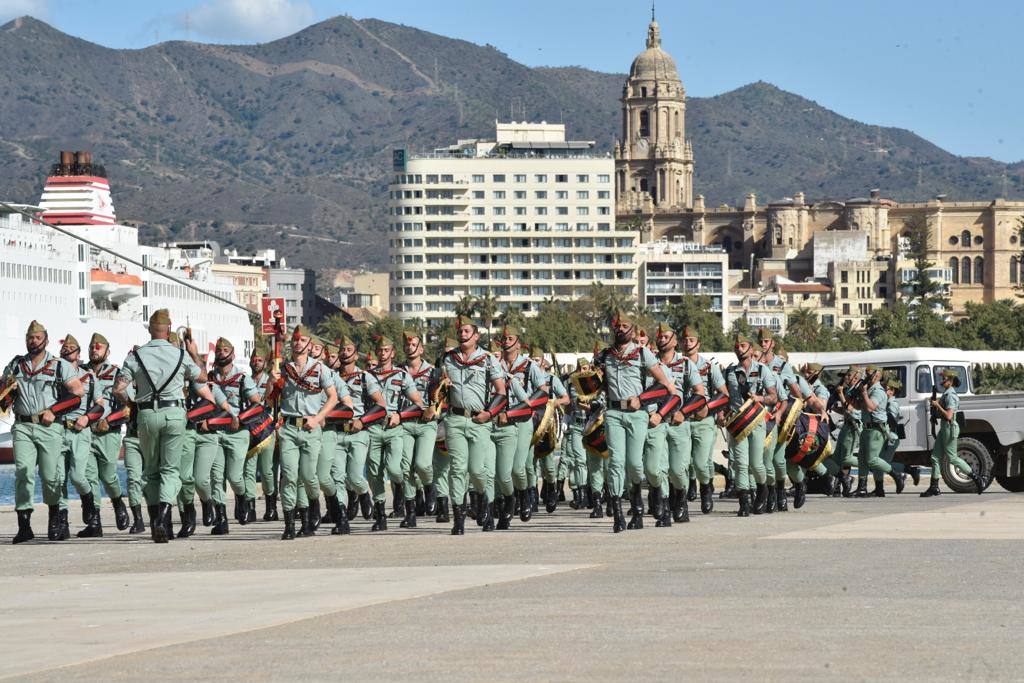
[344, 340]
[464, 320]
[536, 352]
[98, 338]
[331, 347]
[494, 346]
[261, 349]
[582, 362]
[35, 327]
[71, 343]
[511, 331]
[813, 368]
[381, 341]
[949, 373]
[690, 331]
[741, 338]
[317, 340]
[871, 369]
[450, 343]
[763, 335]
[894, 384]
[160, 317]
[409, 335]
[300, 331]
[664, 327]
[173, 338]
[621, 317]
[223, 343]
[854, 370]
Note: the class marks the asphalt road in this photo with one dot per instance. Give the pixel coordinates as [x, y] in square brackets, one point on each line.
[893, 588]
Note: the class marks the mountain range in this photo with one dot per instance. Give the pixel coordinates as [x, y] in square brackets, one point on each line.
[287, 144]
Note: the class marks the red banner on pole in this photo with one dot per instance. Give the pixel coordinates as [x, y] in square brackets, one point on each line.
[271, 308]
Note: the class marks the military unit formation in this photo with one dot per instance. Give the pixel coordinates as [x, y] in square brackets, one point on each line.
[468, 436]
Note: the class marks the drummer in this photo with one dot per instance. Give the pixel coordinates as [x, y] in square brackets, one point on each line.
[586, 472]
[623, 364]
[749, 382]
[844, 455]
[816, 397]
[552, 487]
[702, 425]
[789, 389]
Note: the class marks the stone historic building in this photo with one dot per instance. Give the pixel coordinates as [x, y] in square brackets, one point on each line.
[975, 243]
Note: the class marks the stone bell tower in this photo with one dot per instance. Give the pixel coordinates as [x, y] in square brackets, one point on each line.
[653, 160]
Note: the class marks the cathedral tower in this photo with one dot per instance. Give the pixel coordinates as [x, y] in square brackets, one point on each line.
[653, 160]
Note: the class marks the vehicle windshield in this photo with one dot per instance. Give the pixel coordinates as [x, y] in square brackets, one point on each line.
[926, 379]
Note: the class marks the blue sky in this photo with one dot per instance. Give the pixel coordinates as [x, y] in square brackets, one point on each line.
[949, 71]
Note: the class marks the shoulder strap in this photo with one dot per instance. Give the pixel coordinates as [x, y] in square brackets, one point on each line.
[158, 393]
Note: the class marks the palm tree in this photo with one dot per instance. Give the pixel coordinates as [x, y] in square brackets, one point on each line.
[804, 326]
[486, 306]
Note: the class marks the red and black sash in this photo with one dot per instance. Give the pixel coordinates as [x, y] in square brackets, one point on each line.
[301, 381]
[232, 381]
[457, 358]
[46, 369]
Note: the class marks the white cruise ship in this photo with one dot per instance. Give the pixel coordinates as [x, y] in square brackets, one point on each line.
[72, 287]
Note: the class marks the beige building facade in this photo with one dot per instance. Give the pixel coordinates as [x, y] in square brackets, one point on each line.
[250, 283]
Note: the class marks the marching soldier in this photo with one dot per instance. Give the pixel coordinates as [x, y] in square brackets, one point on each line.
[264, 378]
[849, 435]
[574, 456]
[944, 449]
[551, 489]
[788, 388]
[159, 371]
[420, 436]
[876, 432]
[749, 379]
[442, 463]
[816, 397]
[892, 387]
[703, 432]
[330, 469]
[354, 442]
[624, 364]
[318, 352]
[38, 436]
[106, 442]
[474, 375]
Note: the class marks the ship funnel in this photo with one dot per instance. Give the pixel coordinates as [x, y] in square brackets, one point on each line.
[67, 158]
[77, 164]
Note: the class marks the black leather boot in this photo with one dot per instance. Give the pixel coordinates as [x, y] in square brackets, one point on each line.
[636, 521]
[188, 521]
[608, 511]
[619, 521]
[154, 516]
[534, 498]
[352, 509]
[138, 525]
[684, 508]
[209, 514]
[781, 497]
[63, 530]
[220, 520]
[979, 481]
[554, 495]
[120, 514]
[238, 510]
[769, 499]
[744, 510]
[459, 520]
[677, 499]
[53, 522]
[707, 498]
[380, 517]
[560, 487]
[93, 526]
[846, 484]
[313, 515]
[250, 516]
[328, 516]
[421, 503]
[837, 484]
[508, 504]
[665, 518]
[691, 492]
[410, 515]
[879, 491]
[289, 526]
[574, 504]
[932, 490]
[270, 508]
[474, 504]
[730, 489]
[525, 508]
[442, 510]
[366, 505]
[160, 533]
[597, 511]
[915, 473]
[799, 495]
[397, 500]
[760, 498]
[487, 521]
[480, 512]
[243, 510]
[430, 499]
[338, 515]
[24, 527]
[302, 519]
[862, 487]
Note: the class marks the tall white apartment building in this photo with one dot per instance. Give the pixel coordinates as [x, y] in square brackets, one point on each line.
[670, 271]
[525, 217]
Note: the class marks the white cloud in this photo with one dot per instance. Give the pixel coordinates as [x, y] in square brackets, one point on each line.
[246, 20]
[11, 9]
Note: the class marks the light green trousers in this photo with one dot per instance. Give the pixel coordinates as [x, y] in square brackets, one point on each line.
[133, 467]
[37, 446]
[161, 432]
[746, 458]
[442, 473]
[102, 465]
[418, 441]
[268, 479]
[351, 459]
[945, 450]
[387, 457]
[506, 441]
[75, 456]
[471, 454]
[679, 449]
[523, 473]
[299, 452]
[625, 433]
[703, 434]
[655, 460]
[232, 447]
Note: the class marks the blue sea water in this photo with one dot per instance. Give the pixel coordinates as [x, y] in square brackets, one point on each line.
[7, 485]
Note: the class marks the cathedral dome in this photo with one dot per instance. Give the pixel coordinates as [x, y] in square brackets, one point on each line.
[654, 64]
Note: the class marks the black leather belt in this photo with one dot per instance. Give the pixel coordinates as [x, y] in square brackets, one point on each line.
[294, 421]
[155, 405]
[622, 405]
[461, 411]
[33, 419]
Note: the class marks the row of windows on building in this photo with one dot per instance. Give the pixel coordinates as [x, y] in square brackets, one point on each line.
[435, 178]
[963, 272]
[506, 227]
[22, 271]
[496, 211]
[495, 194]
[514, 275]
[514, 243]
[523, 259]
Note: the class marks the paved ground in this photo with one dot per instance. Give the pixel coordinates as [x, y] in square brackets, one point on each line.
[894, 588]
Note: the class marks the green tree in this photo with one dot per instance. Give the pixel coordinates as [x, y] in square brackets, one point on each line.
[486, 306]
[561, 326]
[695, 311]
[922, 291]
[804, 331]
[998, 325]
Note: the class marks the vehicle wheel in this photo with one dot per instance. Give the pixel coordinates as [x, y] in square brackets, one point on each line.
[975, 454]
[1011, 484]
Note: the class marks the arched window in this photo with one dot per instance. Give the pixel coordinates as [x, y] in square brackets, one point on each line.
[979, 270]
[954, 265]
[965, 239]
[965, 273]
[1013, 269]
[645, 124]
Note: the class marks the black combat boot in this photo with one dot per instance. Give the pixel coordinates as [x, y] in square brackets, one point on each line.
[799, 495]
[525, 508]
[366, 505]
[380, 517]
[53, 522]
[481, 509]
[270, 505]
[560, 487]
[879, 491]
[691, 492]
[410, 515]
[314, 514]
[508, 504]
[161, 534]
[684, 510]
[781, 497]
[302, 518]
[932, 490]
[760, 498]
[574, 504]
[979, 481]
[915, 473]
[238, 509]
[188, 520]
[608, 512]
[838, 482]
[220, 520]
[421, 503]
[554, 495]
[24, 527]
[862, 487]
[901, 481]
[744, 510]
[619, 521]
[845, 484]
[338, 515]
[637, 499]
[707, 498]
[769, 499]
[459, 520]
[209, 514]
[487, 522]
[442, 510]
[169, 521]
[596, 511]
[534, 498]
[243, 509]
[636, 520]
[138, 525]
[665, 518]
[327, 517]
[63, 530]
[474, 504]
[289, 526]
[430, 499]
[675, 502]
[156, 528]
[585, 497]
[397, 500]
[250, 517]
[730, 489]
[93, 526]
[120, 513]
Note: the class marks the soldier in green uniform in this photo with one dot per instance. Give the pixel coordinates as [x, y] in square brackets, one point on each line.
[303, 410]
[106, 442]
[442, 463]
[551, 489]
[789, 389]
[574, 455]
[133, 455]
[624, 364]
[703, 432]
[331, 466]
[420, 435]
[387, 446]
[816, 396]
[474, 376]
[892, 387]
[200, 467]
[844, 455]
[264, 377]
[749, 379]
[945, 448]
[876, 432]
[354, 442]
[159, 371]
[37, 434]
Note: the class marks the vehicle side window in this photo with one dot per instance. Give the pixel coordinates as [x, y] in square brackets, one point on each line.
[924, 380]
[959, 369]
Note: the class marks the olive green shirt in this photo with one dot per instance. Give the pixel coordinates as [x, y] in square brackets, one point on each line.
[160, 359]
[37, 388]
